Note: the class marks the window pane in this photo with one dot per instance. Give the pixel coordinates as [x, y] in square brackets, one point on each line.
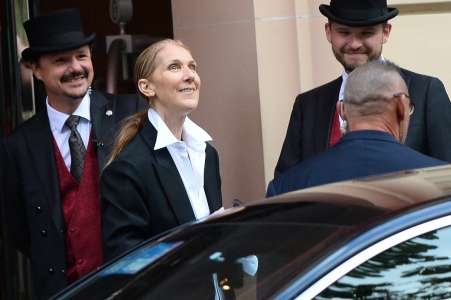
[416, 269]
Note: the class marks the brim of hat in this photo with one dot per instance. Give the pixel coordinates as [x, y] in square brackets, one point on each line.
[33, 52]
[325, 10]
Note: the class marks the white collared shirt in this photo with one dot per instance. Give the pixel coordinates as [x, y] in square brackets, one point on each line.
[344, 79]
[188, 156]
[61, 133]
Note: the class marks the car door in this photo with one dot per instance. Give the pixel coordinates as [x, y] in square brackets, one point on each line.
[414, 263]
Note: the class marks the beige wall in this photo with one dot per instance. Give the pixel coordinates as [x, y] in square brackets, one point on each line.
[278, 76]
[256, 55]
[221, 35]
[420, 41]
[317, 63]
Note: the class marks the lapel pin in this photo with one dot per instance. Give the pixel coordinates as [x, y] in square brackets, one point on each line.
[109, 113]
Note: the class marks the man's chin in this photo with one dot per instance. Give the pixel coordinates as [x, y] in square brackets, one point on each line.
[76, 96]
[349, 67]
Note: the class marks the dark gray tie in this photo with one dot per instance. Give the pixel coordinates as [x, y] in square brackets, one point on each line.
[77, 148]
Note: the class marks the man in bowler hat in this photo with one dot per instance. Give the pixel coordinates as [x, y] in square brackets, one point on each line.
[54, 159]
[357, 30]
[376, 109]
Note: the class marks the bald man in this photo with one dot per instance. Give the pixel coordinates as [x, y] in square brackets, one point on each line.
[376, 109]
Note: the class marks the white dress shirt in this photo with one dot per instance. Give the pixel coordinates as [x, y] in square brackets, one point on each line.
[61, 133]
[344, 78]
[188, 156]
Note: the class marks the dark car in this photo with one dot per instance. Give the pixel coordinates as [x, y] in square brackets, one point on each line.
[386, 237]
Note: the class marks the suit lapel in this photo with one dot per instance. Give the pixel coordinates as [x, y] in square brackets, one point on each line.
[40, 143]
[102, 127]
[211, 180]
[412, 132]
[406, 78]
[170, 180]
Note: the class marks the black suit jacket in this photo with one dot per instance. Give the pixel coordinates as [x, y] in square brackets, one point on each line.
[143, 194]
[358, 154]
[33, 204]
[311, 120]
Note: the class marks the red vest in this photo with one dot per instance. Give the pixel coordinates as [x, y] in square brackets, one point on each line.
[81, 208]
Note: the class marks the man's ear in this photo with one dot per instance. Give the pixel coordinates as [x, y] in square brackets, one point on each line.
[328, 29]
[35, 69]
[146, 88]
[401, 110]
[386, 32]
[340, 109]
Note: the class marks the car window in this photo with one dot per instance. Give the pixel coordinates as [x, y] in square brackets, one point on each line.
[419, 268]
[234, 262]
[249, 256]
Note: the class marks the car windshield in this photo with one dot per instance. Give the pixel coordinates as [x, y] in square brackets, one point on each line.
[250, 257]
[235, 261]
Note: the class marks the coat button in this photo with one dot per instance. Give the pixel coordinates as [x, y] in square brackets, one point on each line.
[38, 209]
[63, 271]
[51, 270]
[44, 232]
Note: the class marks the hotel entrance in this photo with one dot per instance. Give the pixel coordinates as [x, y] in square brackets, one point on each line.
[123, 29]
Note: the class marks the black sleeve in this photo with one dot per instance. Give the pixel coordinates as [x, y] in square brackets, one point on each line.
[14, 211]
[438, 121]
[291, 149]
[271, 190]
[125, 215]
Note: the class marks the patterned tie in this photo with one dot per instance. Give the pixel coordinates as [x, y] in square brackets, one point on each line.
[77, 148]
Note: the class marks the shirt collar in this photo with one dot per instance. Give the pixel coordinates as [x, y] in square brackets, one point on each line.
[344, 77]
[192, 134]
[57, 119]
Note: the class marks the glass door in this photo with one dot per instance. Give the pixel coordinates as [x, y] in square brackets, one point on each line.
[16, 105]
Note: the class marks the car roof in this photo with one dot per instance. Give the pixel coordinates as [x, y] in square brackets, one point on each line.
[390, 191]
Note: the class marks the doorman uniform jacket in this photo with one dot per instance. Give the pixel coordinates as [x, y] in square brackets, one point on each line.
[33, 205]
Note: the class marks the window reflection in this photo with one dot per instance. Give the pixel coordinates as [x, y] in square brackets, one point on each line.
[416, 269]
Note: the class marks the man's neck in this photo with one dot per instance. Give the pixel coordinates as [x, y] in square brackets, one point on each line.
[67, 105]
[386, 127]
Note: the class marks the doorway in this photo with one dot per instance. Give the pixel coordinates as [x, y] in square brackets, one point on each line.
[21, 96]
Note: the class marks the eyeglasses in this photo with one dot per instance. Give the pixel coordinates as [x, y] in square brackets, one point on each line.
[411, 106]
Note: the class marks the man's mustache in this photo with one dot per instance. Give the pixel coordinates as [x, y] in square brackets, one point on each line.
[72, 75]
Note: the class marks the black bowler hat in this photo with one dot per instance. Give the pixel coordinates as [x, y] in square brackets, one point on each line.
[58, 31]
[358, 12]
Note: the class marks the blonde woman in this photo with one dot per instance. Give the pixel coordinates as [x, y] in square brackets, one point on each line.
[162, 172]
